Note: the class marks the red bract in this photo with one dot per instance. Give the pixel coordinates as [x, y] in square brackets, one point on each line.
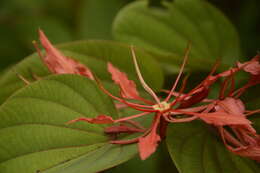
[57, 63]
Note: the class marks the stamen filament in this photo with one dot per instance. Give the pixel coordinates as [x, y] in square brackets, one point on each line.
[227, 136]
[131, 117]
[136, 107]
[187, 51]
[139, 105]
[145, 86]
[252, 112]
[179, 120]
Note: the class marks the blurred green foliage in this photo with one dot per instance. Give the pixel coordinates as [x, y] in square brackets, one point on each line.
[245, 16]
[68, 20]
[62, 21]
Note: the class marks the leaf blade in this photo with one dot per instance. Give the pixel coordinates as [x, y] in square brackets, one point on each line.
[40, 135]
[172, 27]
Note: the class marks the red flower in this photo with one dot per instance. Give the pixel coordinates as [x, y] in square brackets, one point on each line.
[227, 113]
[148, 141]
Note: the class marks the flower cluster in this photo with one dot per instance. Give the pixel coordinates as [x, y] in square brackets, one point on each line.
[227, 113]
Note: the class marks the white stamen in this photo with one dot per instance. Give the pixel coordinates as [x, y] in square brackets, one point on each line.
[145, 86]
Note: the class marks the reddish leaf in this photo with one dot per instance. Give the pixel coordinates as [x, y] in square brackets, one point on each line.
[148, 144]
[101, 119]
[60, 64]
[128, 86]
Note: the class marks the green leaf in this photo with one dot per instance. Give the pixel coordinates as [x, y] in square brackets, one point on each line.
[94, 54]
[195, 148]
[34, 135]
[101, 159]
[167, 31]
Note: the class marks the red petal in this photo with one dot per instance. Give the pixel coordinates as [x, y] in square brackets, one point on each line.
[128, 86]
[231, 105]
[252, 66]
[60, 64]
[122, 129]
[222, 118]
[101, 119]
[148, 144]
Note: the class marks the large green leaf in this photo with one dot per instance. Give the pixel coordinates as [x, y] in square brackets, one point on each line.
[195, 148]
[167, 31]
[94, 54]
[34, 135]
